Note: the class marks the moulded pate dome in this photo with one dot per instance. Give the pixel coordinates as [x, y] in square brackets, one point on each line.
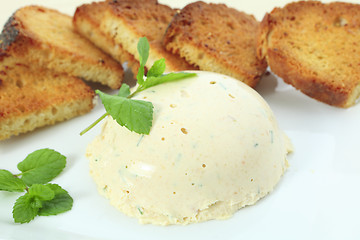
[214, 148]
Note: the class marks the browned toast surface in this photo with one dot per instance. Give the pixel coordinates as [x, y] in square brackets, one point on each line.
[127, 21]
[86, 21]
[315, 47]
[32, 97]
[217, 38]
[46, 37]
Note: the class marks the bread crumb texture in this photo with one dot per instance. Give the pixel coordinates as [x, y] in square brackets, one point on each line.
[127, 21]
[217, 38]
[315, 47]
[46, 37]
[87, 20]
[33, 97]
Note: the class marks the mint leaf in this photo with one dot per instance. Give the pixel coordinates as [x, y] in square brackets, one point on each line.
[140, 75]
[120, 107]
[124, 91]
[62, 202]
[36, 203]
[41, 166]
[157, 69]
[10, 183]
[42, 192]
[135, 115]
[143, 48]
[153, 81]
[38, 167]
[24, 210]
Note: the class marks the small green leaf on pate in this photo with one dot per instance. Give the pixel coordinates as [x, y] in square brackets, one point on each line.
[62, 202]
[42, 192]
[153, 81]
[41, 166]
[131, 113]
[124, 91]
[143, 48]
[140, 75]
[10, 183]
[157, 69]
[24, 210]
[135, 115]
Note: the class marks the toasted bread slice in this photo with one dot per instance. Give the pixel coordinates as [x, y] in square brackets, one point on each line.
[217, 38]
[86, 21]
[47, 38]
[315, 47]
[32, 97]
[127, 21]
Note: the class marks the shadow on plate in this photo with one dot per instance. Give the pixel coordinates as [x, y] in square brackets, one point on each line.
[267, 84]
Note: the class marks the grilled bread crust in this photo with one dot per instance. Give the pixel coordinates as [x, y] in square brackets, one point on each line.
[127, 21]
[86, 21]
[217, 38]
[33, 97]
[315, 47]
[47, 38]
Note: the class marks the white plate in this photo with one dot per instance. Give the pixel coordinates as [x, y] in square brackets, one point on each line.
[317, 198]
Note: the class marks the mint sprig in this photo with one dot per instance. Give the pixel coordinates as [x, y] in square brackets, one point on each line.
[10, 183]
[41, 198]
[24, 209]
[137, 115]
[41, 166]
[61, 202]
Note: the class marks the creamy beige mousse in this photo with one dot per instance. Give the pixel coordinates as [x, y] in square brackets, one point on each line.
[214, 148]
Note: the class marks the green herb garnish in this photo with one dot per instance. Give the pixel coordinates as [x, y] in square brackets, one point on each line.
[41, 198]
[137, 115]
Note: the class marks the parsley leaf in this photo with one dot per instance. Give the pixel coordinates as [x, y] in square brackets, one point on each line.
[24, 209]
[61, 202]
[41, 166]
[10, 183]
[137, 115]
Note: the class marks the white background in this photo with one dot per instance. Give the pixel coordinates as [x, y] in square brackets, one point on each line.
[317, 198]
